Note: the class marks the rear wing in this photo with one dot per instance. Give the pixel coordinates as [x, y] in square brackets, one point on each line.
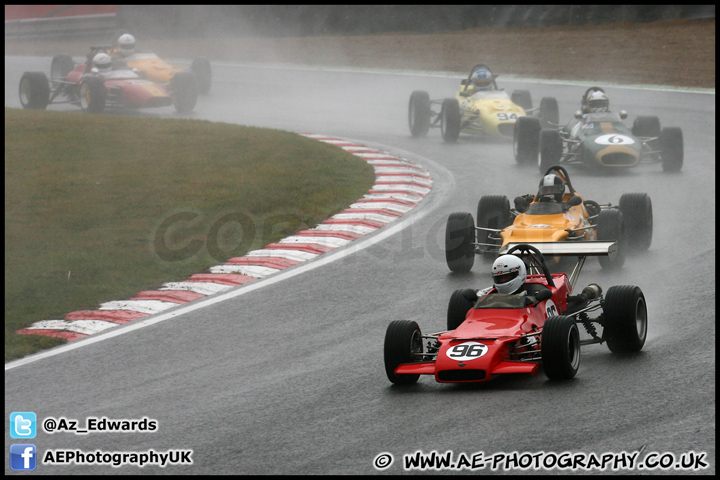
[571, 249]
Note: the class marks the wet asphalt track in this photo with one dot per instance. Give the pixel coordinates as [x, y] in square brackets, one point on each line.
[289, 378]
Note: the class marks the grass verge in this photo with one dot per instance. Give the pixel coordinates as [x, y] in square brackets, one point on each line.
[98, 208]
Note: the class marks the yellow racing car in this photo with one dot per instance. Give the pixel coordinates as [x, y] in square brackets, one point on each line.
[154, 68]
[557, 213]
[478, 108]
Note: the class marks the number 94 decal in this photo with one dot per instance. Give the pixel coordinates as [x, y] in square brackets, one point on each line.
[503, 117]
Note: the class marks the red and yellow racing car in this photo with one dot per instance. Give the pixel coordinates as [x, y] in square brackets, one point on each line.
[491, 334]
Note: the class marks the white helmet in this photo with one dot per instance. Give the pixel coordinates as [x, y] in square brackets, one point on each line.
[598, 102]
[126, 44]
[509, 273]
[102, 62]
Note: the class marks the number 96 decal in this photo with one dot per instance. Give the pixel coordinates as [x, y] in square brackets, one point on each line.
[467, 351]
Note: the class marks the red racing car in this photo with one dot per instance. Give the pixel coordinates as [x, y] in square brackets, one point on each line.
[499, 334]
[95, 91]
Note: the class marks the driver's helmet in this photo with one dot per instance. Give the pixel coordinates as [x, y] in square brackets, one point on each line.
[551, 188]
[126, 44]
[508, 273]
[482, 79]
[103, 63]
[597, 102]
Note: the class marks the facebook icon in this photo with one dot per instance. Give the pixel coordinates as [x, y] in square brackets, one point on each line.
[23, 456]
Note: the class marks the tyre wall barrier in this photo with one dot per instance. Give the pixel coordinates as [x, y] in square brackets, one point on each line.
[299, 20]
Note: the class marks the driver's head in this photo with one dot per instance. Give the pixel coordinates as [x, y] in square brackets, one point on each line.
[482, 79]
[102, 62]
[126, 44]
[508, 273]
[596, 101]
[551, 188]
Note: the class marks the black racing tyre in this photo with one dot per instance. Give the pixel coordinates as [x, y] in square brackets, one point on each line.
[92, 94]
[403, 344]
[560, 347]
[450, 120]
[34, 90]
[549, 111]
[551, 148]
[419, 113]
[646, 126]
[203, 74]
[522, 99]
[526, 140]
[625, 319]
[611, 227]
[493, 211]
[61, 65]
[458, 307]
[460, 242]
[638, 214]
[671, 149]
[183, 88]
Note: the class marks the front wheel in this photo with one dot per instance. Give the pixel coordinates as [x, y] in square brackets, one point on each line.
[92, 95]
[460, 242]
[450, 120]
[560, 347]
[419, 113]
[522, 99]
[184, 91]
[34, 90]
[403, 344]
[493, 211]
[625, 319]
[61, 65]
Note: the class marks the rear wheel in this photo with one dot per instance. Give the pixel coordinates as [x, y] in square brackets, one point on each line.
[526, 140]
[203, 74]
[459, 242]
[671, 149]
[450, 120]
[61, 65]
[493, 211]
[34, 90]
[646, 126]
[611, 228]
[549, 111]
[638, 215]
[419, 113]
[92, 95]
[458, 307]
[550, 148]
[625, 319]
[560, 347]
[522, 99]
[403, 344]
